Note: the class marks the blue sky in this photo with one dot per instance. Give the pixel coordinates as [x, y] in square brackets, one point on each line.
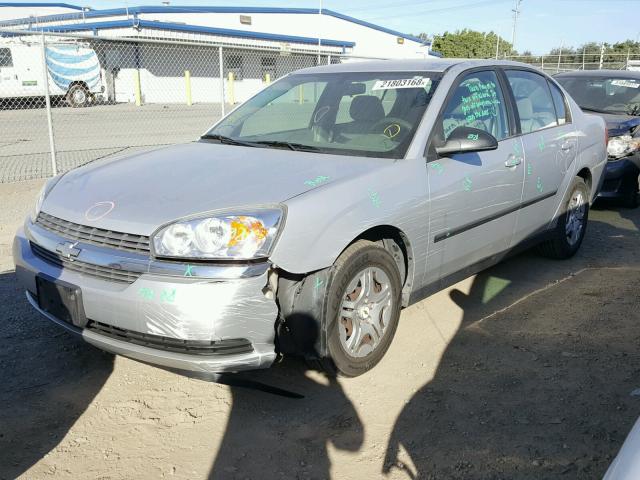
[543, 24]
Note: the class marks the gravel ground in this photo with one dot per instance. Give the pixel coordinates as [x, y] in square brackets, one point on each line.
[524, 371]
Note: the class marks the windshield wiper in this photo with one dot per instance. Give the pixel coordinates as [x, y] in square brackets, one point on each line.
[588, 109]
[227, 140]
[291, 146]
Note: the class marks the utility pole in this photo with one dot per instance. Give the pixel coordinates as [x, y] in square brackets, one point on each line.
[497, 46]
[516, 12]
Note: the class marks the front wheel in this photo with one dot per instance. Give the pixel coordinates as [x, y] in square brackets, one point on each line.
[363, 308]
[572, 224]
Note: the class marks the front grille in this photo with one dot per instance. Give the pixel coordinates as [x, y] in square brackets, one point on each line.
[103, 273]
[93, 235]
[192, 347]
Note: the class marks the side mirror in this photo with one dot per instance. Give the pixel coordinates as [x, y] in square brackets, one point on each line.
[467, 139]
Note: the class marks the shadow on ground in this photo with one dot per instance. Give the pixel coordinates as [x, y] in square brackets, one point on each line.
[48, 379]
[540, 389]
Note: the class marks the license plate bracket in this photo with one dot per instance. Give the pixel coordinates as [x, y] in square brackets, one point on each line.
[61, 300]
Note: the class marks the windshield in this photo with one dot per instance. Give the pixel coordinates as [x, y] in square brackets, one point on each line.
[364, 114]
[605, 95]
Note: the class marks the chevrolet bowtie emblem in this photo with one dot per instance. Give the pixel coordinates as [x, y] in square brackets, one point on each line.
[68, 250]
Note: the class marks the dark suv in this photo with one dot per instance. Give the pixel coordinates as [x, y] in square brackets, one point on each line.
[615, 96]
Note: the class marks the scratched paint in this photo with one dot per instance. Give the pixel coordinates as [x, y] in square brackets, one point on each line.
[437, 166]
[146, 293]
[467, 183]
[529, 168]
[541, 144]
[168, 295]
[319, 283]
[316, 181]
[188, 272]
[539, 185]
[375, 198]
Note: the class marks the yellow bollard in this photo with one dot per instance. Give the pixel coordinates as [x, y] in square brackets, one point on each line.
[187, 80]
[267, 78]
[232, 97]
[300, 95]
[138, 92]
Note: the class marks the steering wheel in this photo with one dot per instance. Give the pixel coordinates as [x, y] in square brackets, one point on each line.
[391, 126]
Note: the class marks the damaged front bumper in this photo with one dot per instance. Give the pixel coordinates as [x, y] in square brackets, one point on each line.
[198, 317]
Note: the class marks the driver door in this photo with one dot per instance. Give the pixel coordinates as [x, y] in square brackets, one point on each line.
[475, 196]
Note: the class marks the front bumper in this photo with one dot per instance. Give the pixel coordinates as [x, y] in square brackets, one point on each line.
[158, 313]
[618, 176]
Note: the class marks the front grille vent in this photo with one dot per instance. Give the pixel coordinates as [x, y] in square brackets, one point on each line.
[96, 271]
[93, 235]
[192, 347]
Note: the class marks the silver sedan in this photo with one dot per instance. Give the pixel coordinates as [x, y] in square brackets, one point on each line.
[306, 219]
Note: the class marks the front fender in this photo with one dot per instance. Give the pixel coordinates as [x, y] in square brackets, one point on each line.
[322, 222]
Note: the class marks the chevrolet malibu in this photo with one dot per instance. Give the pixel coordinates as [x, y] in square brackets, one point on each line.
[306, 219]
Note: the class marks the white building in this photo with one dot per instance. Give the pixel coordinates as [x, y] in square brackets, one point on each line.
[297, 37]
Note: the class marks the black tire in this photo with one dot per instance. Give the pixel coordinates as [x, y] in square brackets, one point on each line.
[78, 96]
[631, 198]
[357, 257]
[559, 245]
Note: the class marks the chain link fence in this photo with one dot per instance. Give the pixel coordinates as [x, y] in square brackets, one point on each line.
[569, 61]
[66, 100]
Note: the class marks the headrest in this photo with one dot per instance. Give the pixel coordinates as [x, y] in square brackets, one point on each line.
[366, 108]
[525, 108]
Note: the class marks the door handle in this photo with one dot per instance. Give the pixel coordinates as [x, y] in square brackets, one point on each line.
[513, 161]
[566, 146]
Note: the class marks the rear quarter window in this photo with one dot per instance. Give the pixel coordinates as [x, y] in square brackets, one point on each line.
[560, 102]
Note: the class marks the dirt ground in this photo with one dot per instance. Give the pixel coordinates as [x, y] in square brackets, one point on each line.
[524, 371]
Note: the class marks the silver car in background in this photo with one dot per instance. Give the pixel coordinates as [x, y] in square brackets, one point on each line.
[307, 218]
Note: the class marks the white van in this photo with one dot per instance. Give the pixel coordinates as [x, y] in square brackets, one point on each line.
[74, 71]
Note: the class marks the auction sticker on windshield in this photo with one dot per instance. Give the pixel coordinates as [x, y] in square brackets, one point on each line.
[625, 83]
[416, 82]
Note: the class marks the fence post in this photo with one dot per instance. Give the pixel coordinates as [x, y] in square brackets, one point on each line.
[583, 54]
[267, 78]
[47, 96]
[136, 83]
[542, 67]
[221, 65]
[601, 56]
[232, 94]
[187, 80]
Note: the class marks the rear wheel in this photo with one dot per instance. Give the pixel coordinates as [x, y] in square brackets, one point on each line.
[78, 96]
[572, 224]
[363, 308]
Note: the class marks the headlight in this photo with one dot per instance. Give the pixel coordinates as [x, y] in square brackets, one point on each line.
[241, 236]
[44, 191]
[622, 146]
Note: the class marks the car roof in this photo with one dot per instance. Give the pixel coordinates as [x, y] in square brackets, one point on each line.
[428, 65]
[600, 74]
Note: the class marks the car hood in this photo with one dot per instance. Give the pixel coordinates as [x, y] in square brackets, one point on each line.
[619, 124]
[137, 194]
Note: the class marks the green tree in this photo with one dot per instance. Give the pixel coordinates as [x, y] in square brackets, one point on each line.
[471, 44]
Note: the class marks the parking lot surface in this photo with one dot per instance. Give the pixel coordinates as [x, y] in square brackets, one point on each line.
[83, 135]
[524, 371]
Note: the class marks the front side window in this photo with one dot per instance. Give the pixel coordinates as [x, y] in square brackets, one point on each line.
[533, 100]
[604, 94]
[477, 102]
[348, 113]
[5, 58]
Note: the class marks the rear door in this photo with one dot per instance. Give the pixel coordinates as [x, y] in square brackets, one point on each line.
[550, 147]
[474, 197]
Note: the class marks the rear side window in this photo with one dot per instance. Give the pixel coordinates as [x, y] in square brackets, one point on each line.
[533, 100]
[561, 105]
[477, 102]
[5, 58]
